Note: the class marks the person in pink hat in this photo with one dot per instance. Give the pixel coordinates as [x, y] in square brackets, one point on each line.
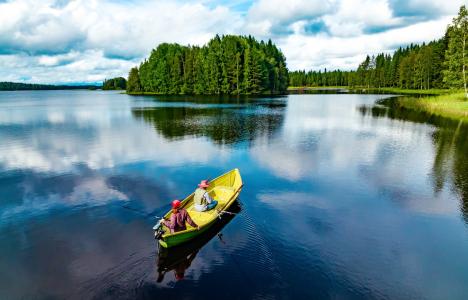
[202, 198]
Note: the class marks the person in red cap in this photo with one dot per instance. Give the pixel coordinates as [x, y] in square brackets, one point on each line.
[178, 218]
[202, 198]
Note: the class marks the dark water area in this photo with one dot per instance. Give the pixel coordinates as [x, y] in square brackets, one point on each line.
[346, 196]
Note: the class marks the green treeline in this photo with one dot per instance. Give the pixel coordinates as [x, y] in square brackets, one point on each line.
[319, 78]
[17, 86]
[438, 64]
[413, 67]
[226, 65]
[118, 83]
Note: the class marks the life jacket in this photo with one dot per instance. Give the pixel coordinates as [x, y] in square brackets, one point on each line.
[198, 197]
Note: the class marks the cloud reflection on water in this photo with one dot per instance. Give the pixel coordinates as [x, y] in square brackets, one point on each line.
[335, 196]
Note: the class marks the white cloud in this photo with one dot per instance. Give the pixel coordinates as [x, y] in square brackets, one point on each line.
[324, 51]
[117, 28]
[349, 21]
[96, 39]
[87, 66]
[268, 16]
[86, 41]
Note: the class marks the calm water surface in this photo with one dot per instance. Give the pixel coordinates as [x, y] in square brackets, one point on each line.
[342, 199]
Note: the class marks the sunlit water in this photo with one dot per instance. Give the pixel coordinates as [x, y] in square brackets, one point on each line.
[342, 199]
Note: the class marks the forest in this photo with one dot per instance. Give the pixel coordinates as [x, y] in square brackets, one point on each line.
[226, 65]
[412, 67]
[438, 64]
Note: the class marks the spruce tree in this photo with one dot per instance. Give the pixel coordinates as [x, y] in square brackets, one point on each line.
[133, 82]
[456, 56]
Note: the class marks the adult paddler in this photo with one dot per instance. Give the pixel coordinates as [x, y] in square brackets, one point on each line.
[202, 199]
[178, 218]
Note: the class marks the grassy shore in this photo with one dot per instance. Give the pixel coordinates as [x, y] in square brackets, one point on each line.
[140, 93]
[454, 106]
[396, 91]
[302, 88]
[399, 91]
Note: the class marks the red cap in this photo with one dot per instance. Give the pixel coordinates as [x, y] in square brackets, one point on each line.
[175, 204]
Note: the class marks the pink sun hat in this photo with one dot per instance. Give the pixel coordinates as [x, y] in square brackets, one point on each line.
[204, 184]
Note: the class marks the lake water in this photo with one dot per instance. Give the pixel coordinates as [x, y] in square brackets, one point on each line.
[342, 198]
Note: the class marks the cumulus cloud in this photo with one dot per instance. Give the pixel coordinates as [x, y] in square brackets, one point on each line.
[349, 21]
[55, 41]
[268, 17]
[87, 66]
[340, 33]
[123, 29]
[346, 52]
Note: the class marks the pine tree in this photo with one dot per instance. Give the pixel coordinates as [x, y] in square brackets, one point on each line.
[456, 56]
[133, 82]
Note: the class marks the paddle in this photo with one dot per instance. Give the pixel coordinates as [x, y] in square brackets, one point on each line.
[221, 212]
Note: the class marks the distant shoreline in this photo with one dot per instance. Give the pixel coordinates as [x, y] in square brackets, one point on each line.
[362, 89]
[18, 86]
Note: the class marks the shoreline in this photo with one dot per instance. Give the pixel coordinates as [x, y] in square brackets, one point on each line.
[446, 103]
[361, 89]
[223, 95]
[453, 106]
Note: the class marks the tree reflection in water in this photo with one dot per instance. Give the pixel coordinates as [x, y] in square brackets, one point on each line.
[450, 140]
[225, 123]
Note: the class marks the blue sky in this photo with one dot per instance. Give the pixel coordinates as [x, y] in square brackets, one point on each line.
[61, 41]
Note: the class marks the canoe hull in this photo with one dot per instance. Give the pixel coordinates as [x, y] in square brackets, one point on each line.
[182, 238]
[225, 189]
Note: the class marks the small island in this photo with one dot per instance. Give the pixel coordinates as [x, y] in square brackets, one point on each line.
[227, 65]
[117, 83]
